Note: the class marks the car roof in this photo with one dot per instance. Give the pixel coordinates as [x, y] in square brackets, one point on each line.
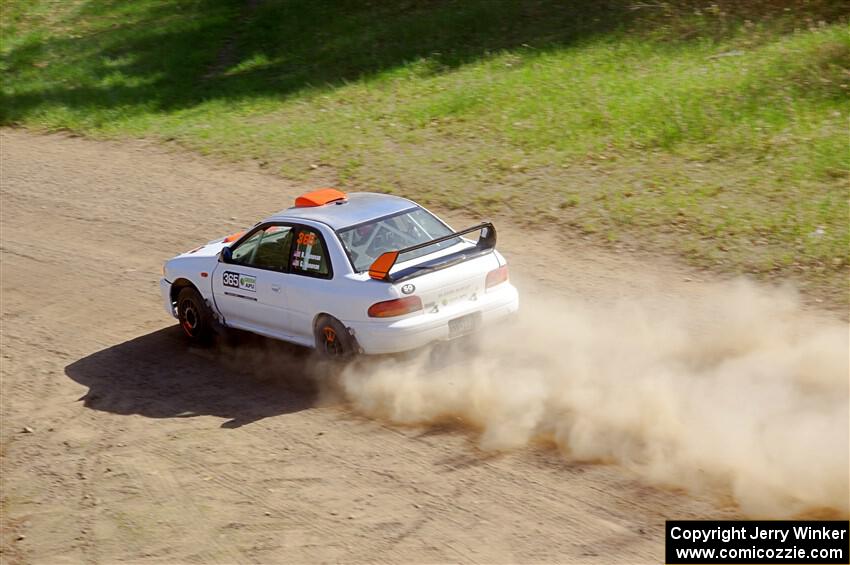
[358, 207]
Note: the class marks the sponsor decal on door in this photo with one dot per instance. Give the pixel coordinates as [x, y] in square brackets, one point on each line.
[240, 281]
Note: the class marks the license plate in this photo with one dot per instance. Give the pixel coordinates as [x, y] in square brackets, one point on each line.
[463, 325]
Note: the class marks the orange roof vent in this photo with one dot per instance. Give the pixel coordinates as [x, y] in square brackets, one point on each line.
[319, 198]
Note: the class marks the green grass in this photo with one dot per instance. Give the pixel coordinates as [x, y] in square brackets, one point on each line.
[716, 131]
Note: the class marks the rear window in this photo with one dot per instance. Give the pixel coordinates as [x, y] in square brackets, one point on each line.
[366, 242]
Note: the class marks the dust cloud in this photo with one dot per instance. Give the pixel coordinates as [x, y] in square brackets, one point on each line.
[737, 393]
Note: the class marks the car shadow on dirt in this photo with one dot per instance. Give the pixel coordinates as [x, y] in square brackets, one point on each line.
[159, 376]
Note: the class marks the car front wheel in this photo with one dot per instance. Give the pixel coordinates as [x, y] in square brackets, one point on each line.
[194, 317]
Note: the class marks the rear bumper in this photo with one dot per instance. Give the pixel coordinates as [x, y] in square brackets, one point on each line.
[413, 332]
[165, 293]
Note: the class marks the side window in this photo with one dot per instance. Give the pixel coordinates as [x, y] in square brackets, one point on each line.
[310, 256]
[273, 249]
[243, 254]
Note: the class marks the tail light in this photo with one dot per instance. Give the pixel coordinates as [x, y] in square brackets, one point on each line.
[397, 307]
[497, 276]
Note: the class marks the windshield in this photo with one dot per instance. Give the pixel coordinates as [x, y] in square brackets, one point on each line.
[366, 242]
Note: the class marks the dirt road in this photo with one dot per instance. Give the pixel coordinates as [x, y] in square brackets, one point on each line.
[120, 444]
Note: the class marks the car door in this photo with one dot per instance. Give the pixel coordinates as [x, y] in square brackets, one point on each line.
[250, 290]
[310, 288]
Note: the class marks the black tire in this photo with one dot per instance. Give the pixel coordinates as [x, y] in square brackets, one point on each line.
[333, 341]
[194, 316]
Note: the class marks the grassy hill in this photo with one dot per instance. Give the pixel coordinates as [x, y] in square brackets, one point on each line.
[717, 131]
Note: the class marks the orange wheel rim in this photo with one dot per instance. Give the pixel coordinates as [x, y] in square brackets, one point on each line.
[189, 318]
[330, 334]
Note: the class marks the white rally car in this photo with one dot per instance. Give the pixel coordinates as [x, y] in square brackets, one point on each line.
[345, 274]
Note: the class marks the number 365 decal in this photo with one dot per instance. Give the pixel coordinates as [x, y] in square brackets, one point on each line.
[237, 280]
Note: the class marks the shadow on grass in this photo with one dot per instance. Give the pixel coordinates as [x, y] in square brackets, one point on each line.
[153, 56]
[159, 376]
[110, 59]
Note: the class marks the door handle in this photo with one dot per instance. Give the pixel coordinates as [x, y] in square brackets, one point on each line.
[276, 287]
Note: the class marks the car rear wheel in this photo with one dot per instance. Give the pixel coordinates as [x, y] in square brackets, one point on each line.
[333, 341]
[194, 317]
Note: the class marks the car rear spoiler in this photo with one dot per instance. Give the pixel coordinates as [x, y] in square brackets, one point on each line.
[380, 269]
